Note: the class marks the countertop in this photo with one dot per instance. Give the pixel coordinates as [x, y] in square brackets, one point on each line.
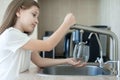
[34, 74]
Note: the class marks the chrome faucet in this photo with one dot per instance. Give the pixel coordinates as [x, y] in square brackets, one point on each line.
[99, 60]
[114, 54]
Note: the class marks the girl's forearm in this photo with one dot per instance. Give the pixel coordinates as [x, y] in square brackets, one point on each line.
[51, 62]
[44, 62]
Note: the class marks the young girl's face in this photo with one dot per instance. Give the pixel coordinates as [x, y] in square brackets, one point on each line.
[27, 19]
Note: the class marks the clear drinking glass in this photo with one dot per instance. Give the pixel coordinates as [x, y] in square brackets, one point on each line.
[81, 52]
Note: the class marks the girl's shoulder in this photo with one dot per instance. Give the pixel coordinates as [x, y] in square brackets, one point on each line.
[15, 31]
[11, 29]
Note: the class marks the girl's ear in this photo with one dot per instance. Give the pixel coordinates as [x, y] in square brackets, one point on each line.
[18, 12]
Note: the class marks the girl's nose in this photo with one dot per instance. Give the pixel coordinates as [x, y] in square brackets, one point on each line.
[36, 21]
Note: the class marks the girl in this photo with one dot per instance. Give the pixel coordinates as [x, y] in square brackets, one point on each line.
[16, 48]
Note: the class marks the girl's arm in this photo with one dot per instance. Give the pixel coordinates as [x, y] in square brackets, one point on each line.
[45, 62]
[53, 40]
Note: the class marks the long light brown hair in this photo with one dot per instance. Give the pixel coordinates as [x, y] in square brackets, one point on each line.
[10, 17]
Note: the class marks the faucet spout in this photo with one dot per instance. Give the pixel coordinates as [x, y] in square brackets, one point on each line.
[100, 60]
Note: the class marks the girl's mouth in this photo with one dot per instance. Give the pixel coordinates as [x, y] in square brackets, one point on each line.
[33, 25]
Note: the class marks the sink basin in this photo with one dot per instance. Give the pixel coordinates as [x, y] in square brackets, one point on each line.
[88, 70]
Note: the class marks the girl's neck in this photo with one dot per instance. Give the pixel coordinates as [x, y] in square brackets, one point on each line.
[18, 27]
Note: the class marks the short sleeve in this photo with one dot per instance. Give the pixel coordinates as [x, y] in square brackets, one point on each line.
[16, 39]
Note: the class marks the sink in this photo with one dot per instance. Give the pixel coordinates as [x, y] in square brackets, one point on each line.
[88, 70]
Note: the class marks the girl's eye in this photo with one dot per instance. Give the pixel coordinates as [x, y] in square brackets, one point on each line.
[34, 15]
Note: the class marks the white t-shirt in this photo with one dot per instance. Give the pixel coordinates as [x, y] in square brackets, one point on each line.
[13, 59]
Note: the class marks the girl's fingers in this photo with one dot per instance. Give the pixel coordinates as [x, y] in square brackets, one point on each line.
[76, 63]
[81, 65]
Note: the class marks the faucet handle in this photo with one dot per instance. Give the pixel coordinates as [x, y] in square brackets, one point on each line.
[100, 61]
[97, 60]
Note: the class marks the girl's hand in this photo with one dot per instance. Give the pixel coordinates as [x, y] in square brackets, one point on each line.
[75, 63]
[69, 20]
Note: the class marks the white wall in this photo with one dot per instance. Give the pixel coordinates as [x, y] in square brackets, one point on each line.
[110, 15]
[53, 12]
[3, 6]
